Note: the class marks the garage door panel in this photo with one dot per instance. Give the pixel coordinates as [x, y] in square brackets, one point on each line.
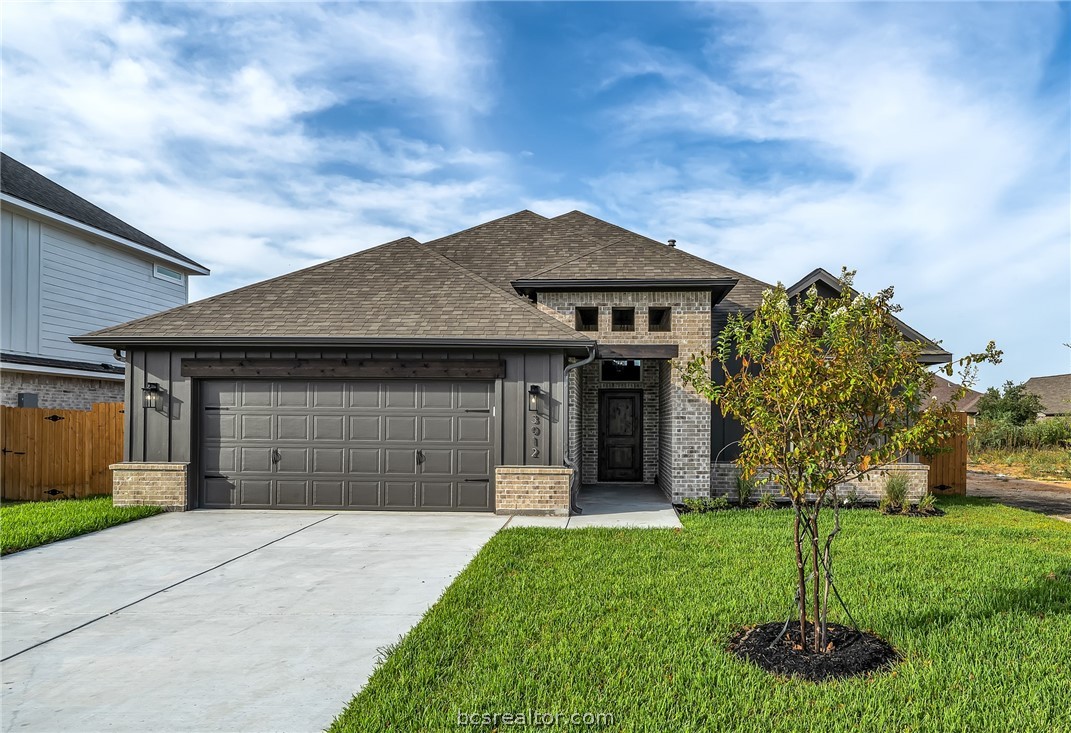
[474, 495]
[474, 429]
[363, 495]
[401, 428]
[365, 427]
[348, 445]
[255, 493]
[255, 427]
[400, 494]
[328, 427]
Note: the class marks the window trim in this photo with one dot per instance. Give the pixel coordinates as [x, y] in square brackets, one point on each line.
[162, 272]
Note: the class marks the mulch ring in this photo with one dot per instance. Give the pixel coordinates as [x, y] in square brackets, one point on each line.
[850, 654]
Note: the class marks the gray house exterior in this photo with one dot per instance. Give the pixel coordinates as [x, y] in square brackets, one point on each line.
[496, 369]
[67, 266]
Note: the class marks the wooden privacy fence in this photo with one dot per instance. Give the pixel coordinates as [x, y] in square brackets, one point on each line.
[949, 469]
[65, 451]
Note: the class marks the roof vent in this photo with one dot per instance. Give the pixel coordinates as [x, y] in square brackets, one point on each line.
[673, 243]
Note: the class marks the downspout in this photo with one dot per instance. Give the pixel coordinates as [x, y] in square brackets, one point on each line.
[575, 482]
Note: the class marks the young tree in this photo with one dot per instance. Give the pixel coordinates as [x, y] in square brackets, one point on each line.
[1015, 405]
[826, 389]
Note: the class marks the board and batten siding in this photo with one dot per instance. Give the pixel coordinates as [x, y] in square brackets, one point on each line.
[58, 284]
[171, 434]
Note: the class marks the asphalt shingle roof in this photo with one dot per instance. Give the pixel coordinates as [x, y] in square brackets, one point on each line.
[399, 290]
[1054, 393]
[23, 182]
[943, 390]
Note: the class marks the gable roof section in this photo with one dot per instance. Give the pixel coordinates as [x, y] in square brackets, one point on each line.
[744, 297]
[828, 285]
[396, 292]
[943, 390]
[24, 183]
[1054, 393]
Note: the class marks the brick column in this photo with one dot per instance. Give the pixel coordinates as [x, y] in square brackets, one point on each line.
[532, 490]
[158, 484]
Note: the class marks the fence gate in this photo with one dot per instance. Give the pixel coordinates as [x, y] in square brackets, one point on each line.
[949, 469]
[59, 453]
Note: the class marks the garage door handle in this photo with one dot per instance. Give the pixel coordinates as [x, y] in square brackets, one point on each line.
[276, 456]
[214, 475]
[478, 480]
[420, 456]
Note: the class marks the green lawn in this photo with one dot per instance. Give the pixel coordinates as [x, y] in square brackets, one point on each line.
[634, 623]
[32, 523]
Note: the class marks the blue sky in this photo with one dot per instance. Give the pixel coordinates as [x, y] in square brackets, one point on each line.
[926, 145]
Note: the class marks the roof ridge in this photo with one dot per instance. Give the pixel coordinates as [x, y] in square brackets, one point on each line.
[486, 223]
[512, 298]
[259, 283]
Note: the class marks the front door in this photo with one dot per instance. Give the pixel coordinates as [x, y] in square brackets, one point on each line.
[621, 435]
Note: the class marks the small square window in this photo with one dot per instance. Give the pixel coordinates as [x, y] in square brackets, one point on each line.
[587, 319]
[658, 319]
[621, 370]
[624, 319]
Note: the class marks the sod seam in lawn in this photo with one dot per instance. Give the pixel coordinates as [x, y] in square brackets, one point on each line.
[634, 623]
[35, 523]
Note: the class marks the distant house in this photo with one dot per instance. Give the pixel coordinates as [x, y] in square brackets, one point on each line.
[68, 266]
[1054, 393]
[943, 391]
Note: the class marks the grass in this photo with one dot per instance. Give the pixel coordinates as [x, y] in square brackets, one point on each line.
[33, 523]
[1044, 464]
[634, 623]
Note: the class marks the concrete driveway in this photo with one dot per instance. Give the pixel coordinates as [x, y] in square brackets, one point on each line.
[218, 621]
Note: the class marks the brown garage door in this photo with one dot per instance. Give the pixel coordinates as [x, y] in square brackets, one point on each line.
[396, 444]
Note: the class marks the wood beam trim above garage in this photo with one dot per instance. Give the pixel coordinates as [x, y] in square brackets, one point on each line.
[344, 368]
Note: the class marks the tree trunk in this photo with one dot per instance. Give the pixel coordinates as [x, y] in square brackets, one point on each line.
[801, 591]
[816, 594]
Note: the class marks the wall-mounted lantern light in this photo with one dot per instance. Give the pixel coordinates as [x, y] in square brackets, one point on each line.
[533, 397]
[151, 396]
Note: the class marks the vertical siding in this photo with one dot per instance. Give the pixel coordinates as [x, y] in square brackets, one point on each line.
[20, 264]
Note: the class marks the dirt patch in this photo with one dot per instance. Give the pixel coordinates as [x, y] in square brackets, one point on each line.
[850, 653]
[1036, 496]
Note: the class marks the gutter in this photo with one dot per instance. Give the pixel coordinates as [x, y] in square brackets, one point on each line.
[574, 489]
[319, 341]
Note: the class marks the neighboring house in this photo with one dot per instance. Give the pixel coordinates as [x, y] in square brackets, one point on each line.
[944, 390]
[67, 267]
[493, 369]
[1054, 393]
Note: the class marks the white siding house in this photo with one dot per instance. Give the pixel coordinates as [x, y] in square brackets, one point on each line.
[66, 268]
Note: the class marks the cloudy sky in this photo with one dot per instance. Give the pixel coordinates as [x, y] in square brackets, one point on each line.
[925, 145]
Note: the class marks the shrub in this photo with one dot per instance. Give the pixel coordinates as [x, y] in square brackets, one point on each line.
[766, 501]
[926, 504]
[745, 487]
[1003, 435]
[894, 497]
[706, 504]
[852, 498]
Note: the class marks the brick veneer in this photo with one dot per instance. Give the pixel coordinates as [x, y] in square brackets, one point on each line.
[869, 487]
[532, 490]
[683, 456]
[159, 484]
[58, 392]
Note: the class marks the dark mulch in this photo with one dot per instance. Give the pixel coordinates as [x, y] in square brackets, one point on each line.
[851, 653]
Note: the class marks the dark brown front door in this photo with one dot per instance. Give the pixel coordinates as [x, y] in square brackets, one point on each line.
[620, 435]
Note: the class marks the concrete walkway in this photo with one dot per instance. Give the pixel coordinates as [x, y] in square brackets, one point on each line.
[236, 621]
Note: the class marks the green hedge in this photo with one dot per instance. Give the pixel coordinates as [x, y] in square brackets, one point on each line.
[996, 435]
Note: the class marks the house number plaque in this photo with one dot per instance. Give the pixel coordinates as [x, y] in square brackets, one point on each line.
[535, 430]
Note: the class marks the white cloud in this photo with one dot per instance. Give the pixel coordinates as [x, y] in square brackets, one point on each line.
[914, 147]
[192, 123]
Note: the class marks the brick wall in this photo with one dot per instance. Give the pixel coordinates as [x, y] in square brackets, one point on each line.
[532, 490]
[869, 487]
[681, 460]
[159, 484]
[58, 392]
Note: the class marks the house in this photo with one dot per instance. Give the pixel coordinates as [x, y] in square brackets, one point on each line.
[1054, 393]
[495, 369]
[67, 267]
[944, 390]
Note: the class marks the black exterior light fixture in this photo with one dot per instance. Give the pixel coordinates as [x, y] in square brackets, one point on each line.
[533, 397]
[150, 396]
